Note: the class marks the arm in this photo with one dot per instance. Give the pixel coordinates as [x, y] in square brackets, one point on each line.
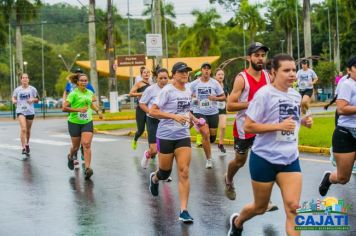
[344, 108]
[133, 91]
[97, 109]
[66, 108]
[315, 79]
[331, 102]
[259, 128]
[233, 103]
[158, 114]
[220, 97]
[144, 107]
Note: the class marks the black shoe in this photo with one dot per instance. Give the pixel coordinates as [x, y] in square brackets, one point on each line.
[233, 231]
[88, 173]
[70, 162]
[24, 151]
[27, 147]
[325, 184]
[153, 186]
[222, 148]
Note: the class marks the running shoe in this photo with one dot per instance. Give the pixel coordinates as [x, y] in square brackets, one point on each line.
[76, 164]
[24, 151]
[134, 144]
[81, 152]
[325, 184]
[233, 231]
[88, 173]
[70, 162]
[145, 159]
[221, 148]
[332, 158]
[185, 217]
[230, 192]
[169, 179]
[153, 186]
[209, 164]
[198, 142]
[271, 207]
[354, 170]
[27, 147]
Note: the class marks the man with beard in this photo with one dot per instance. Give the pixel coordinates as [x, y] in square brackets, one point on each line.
[246, 84]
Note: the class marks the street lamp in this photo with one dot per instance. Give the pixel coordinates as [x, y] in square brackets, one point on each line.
[282, 42]
[67, 66]
[25, 66]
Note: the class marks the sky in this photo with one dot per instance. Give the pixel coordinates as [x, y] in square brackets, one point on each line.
[182, 8]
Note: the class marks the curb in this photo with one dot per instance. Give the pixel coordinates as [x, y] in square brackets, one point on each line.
[115, 118]
[302, 148]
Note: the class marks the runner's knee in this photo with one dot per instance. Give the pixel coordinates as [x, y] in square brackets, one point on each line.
[163, 174]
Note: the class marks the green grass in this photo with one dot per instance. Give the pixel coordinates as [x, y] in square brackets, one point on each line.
[124, 113]
[318, 136]
[106, 127]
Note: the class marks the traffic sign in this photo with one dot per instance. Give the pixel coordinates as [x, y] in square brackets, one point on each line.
[154, 45]
[134, 60]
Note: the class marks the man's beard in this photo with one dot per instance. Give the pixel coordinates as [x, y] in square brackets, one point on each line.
[257, 67]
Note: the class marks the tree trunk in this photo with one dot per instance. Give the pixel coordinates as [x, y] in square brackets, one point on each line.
[18, 44]
[158, 25]
[92, 47]
[110, 49]
[307, 29]
[289, 42]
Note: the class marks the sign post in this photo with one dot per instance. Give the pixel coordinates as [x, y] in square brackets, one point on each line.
[154, 45]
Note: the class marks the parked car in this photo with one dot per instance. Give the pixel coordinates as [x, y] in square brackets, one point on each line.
[124, 99]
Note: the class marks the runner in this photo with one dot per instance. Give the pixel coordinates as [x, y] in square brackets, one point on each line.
[274, 115]
[199, 138]
[246, 84]
[306, 78]
[206, 93]
[24, 97]
[80, 103]
[344, 137]
[172, 107]
[139, 77]
[69, 88]
[136, 92]
[146, 101]
[219, 76]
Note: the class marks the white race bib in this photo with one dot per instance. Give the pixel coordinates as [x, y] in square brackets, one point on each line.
[24, 108]
[286, 136]
[83, 116]
[205, 103]
[303, 85]
[186, 124]
[221, 105]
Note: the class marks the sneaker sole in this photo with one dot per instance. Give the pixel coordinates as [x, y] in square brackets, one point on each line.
[272, 208]
[185, 221]
[322, 182]
[87, 177]
[231, 221]
[230, 198]
[149, 187]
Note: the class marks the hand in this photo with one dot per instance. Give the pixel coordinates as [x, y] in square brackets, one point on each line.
[326, 107]
[101, 116]
[181, 119]
[307, 121]
[212, 98]
[288, 124]
[30, 100]
[83, 110]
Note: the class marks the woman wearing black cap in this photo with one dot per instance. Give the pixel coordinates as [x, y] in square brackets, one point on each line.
[344, 137]
[137, 91]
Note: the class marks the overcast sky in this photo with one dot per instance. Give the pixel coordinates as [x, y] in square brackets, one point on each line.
[182, 8]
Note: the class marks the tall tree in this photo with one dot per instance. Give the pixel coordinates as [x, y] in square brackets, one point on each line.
[92, 46]
[307, 29]
[23, 11]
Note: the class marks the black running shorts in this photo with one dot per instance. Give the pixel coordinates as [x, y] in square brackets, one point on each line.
[165, 146]
[76, 130]
[152, 125]
[343, 140]
[28, 117]
[308, 92]
[242, 146]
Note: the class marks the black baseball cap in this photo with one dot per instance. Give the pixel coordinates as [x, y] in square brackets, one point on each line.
[254, 47]
[351, 62]
[180, 66]
[205, 64]
[79, 70]
[305, 61]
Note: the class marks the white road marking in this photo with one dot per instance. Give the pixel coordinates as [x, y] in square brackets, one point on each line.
[48, 142]
[95, 139]
[9, 146]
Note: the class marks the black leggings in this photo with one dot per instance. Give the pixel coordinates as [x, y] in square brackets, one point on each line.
[140, 122]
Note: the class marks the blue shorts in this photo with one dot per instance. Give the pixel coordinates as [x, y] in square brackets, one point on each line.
[262, 170]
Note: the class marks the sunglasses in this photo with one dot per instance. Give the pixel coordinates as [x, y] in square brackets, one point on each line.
[83, 80]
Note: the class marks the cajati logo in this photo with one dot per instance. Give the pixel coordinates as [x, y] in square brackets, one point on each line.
[329, 213]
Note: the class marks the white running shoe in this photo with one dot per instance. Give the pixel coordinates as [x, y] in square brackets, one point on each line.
[209, 164]
[145, 160]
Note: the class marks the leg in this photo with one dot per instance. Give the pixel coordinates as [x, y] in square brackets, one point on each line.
[222, 127]
[140, 122]
[86, 139]
[183, 157]
[344, 165]
[305, 103]
[153, 149]
[204, 131]
[234, 165]
[290, 184]
[23, 130]
[28, 130]
[75, 146]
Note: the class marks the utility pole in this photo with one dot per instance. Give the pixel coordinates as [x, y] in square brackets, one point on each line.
[18, 43]
[110, 53]
[92, 47]
[297, 21]
[307, 30]
[337, 41]
[158, 25]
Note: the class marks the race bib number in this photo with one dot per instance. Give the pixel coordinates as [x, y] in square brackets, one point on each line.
[24, 108]
[195, 102]
[83, 115]
[221, 105]
[303, 85]
[286, 136]
[205, 103]
[186, 124]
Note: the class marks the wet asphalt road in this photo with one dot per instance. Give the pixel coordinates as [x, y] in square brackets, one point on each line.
[41, 196]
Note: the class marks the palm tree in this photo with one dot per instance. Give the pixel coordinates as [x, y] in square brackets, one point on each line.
[307, 29]
[23, 11]
[249, 18]
[284, 12]
[202, 39]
